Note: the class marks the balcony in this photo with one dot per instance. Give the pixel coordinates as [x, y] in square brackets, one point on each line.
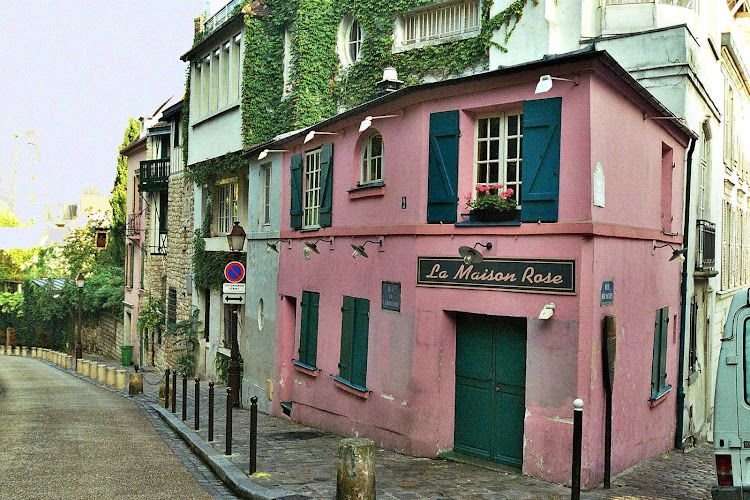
[133, 227]
[221, 16]
[159, 243]
[154, 175]
[705, 258]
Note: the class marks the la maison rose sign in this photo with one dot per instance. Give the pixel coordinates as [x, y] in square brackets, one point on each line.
[557, 276]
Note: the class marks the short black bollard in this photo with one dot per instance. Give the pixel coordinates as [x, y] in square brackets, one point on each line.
[166, 389]
[253, 433]
[184, 397]
[174, 391]
[211, 411]
[197, 403]
[229, 422]
[575, 482]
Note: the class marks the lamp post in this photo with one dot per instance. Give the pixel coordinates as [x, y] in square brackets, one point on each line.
[80, 281]
[236, 241]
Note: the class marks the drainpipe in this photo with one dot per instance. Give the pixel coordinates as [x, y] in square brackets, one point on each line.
[683, 302]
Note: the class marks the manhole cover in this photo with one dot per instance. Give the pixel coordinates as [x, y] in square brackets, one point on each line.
[295, 435]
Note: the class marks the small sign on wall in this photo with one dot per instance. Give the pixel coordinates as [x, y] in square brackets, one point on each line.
[608, 292]
[391, 296]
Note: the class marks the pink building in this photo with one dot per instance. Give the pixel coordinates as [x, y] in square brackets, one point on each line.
[426, 352]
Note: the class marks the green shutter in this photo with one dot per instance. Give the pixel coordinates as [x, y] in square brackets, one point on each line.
[295, 213]
[442, 182]
[541, 160]
[359, 344]
[347, 338]
[308, 341]
[655, 358]
[326, 184]
[663, 348]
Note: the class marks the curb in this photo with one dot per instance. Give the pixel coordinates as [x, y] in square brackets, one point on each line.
[224, 469]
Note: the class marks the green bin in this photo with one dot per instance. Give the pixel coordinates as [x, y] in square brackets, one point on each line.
[127, 354]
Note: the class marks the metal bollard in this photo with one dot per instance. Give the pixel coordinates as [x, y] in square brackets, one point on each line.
[197, 405]
[174, 391]
[211, 411]
[166, 389]
[253, 433]
[229, 422]
[184, 397]
[575, 482]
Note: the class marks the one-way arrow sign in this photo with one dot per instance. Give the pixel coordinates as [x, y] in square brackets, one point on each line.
[234, 298]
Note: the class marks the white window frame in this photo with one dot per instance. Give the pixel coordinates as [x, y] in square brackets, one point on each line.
[438, 23]
[311, 192]
[217, 79]
[348, 48]
[504, 160]
[368, 160]
[265, 218]
[226, 204]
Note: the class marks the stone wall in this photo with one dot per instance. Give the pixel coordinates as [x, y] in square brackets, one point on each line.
[101, 336]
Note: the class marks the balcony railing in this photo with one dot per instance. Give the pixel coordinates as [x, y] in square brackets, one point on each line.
[133, 227]
[706, 246]
[221, 16]
[159, 246]
[154, 175]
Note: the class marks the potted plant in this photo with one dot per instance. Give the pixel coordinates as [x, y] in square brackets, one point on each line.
[492, 204]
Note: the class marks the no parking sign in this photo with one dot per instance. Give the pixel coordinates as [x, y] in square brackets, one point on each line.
[234, 272]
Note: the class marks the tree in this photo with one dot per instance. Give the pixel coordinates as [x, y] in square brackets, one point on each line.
[120, 194]
[8, 219]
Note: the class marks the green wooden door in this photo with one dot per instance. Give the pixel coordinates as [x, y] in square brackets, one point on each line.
[490, 387]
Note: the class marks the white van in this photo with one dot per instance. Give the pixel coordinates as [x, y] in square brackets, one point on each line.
[732, 405]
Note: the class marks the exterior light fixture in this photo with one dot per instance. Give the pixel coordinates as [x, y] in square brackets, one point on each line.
[273, 246]
[547, 311]
[265, 152]
[472, 256]
[545, 83]
[80, 280]
[236, 238]
[312, 248]
[367, 122]
[311, 134]
[360, 249]
[677, 253]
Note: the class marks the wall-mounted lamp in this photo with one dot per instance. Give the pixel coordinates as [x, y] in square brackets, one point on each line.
[547, 311]
[311, 134]
[236, 238]
[273, 245]
[472, 256]
[265, 152]
[545, 83]
[646, 116]
[367, 122]
[312, 247]
[360, 249]
[677, 253]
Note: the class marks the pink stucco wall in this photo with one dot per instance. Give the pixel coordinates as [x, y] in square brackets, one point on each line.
[411, 354]
[132, 293]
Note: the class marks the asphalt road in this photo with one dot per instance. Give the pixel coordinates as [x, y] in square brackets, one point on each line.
[61, 437]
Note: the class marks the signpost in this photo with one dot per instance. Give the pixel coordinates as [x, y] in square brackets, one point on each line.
[234, 298]
[234, 288]
[234, 272]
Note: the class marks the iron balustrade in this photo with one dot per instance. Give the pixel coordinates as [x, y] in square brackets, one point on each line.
[133, 226]
[154, 175]
[706, 247]
[221, 16]
[159, 246]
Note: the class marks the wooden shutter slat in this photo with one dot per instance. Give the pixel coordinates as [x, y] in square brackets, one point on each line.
[326, 185]
[360, 341]
[295, 211]
[541, 160]
[442, 189]
[347, 337]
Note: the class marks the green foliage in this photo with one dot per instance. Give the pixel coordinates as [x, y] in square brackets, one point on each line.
[221, 363]
[185, 334]
[104, 291]
[207, 172]
[79, 250]
[11, 310]
[208, 267]
[186, 117]
[46, 317]
[119, 196]
[151, 315]
[8, 219]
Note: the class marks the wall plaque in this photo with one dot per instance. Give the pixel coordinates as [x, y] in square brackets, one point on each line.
[557, 276]
[391, 296]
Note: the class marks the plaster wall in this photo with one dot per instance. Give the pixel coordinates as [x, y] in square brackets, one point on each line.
[132, 293]
[215, 136]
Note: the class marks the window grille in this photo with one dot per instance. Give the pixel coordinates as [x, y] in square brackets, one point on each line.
[442, 22]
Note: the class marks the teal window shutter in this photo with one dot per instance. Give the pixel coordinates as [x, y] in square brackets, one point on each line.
[359, 346]
[347, 337]
[659, 360]
[541, 160]
[326, 184]
[308, 342]
[295, 212]
[442, 181]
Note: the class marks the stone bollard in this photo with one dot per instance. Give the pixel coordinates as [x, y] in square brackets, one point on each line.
[121, 381]
[101, 373]
[33, 352]
[79, 366]
[24, 351]
[93, 372]
[110, 377]
[45, 354]
[85, 367]
[56, 357]
[8, 350]
[68, 362]
[135, 385]
[356, 470]
[16, 351]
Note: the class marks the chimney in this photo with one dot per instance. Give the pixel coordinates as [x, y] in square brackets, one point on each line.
[389, 83]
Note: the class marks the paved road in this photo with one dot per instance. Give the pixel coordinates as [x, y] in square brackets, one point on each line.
[62, 437]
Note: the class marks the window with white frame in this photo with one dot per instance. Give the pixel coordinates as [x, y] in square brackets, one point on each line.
[216, 78]
[350, 38]
[371, 165]
[438, 23]
[312, 189]
[226, 200]
[499, 143]
[704, 169]
[265, 170]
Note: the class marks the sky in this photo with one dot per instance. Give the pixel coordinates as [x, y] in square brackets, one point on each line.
[73, 72]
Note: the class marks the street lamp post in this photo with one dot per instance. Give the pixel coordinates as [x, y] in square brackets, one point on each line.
[80, 281]
[236, 241]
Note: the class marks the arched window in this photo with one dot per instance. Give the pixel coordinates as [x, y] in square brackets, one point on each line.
[349, 40]
[371, 165]
[354, 40]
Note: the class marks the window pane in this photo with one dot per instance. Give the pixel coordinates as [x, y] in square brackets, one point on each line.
[513, 125]
[494, 150]
[482, 127]
[495, 127]
[481, 173]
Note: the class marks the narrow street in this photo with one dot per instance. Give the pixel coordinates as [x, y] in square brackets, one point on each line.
[64, 438]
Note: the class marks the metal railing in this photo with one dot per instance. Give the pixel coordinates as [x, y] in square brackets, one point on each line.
[679, 3]
[159, 246]
[221, 16]
[133, 226]
[706, 246]
[154, 175]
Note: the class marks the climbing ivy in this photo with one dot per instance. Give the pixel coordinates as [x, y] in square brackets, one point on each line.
[208, 267]
[207, 172]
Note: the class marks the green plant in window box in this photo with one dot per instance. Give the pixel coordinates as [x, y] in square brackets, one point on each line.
[492, 204]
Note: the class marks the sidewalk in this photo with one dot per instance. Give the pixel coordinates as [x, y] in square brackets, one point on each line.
[302, 461]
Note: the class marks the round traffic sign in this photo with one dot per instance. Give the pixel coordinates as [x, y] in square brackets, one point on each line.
[234, 272]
